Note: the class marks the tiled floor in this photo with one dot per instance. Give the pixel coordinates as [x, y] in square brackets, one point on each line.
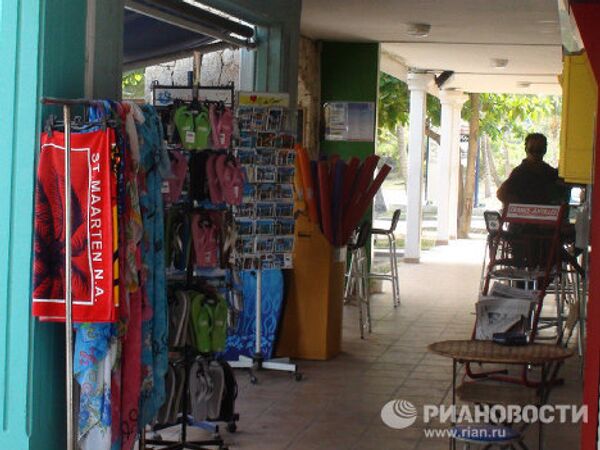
[338, 404]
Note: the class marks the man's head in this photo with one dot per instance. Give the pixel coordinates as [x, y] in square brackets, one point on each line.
[536, 145]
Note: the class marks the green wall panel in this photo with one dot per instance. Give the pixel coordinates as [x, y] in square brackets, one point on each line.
[349, 72]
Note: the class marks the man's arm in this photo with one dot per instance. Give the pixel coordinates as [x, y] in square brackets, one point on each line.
[506, 192]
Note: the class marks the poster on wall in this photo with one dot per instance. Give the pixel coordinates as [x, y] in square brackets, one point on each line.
[349, 121]
[265, 149]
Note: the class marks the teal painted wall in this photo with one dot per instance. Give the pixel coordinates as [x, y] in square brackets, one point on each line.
[349, 72]
[42, 44]
[19, 47]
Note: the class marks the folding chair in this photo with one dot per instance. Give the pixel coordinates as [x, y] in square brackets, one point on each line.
[525, 249]
[357, 277]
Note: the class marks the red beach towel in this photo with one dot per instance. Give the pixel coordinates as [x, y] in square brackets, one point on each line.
[92, 228]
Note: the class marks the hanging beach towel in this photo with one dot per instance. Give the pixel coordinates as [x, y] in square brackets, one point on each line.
[242, 342]
[91, 233]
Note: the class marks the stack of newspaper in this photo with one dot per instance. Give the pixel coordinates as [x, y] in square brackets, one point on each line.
[503, 309]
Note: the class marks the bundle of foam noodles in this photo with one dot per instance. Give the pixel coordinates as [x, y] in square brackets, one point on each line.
[338, 193]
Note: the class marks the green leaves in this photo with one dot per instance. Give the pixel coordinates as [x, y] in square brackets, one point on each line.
[394, 103]
[515, 115]
[133, 84]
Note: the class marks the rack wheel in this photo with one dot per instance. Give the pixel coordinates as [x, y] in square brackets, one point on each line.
[232, 427]
[298, 376]
[253, 379]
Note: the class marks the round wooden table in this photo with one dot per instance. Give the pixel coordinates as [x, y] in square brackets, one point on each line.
[473, 351]
[490, 352]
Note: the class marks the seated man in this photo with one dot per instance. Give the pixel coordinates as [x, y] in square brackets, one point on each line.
[533, 181]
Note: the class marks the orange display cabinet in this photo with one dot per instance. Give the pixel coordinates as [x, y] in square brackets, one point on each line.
[311, 327]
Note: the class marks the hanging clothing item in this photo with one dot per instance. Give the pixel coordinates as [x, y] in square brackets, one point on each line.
[154, 167]
[92, 231]
[92, 369]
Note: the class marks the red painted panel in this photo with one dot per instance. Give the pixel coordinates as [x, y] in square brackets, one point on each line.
[587, 16]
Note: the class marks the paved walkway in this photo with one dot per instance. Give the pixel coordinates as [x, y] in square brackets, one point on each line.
[338, 404]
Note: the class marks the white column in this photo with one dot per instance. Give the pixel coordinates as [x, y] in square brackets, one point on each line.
[448, 165]
[417, 85]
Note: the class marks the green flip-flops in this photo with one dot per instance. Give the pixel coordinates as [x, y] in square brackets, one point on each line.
[219, 328]
[202, 323]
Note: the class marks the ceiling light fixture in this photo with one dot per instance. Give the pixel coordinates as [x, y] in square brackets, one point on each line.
[499, 63]
[524, 84]
[418, 29]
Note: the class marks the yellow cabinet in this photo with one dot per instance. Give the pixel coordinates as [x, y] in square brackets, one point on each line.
[580, 103]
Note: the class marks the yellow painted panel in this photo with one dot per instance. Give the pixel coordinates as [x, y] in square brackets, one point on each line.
[580, 103]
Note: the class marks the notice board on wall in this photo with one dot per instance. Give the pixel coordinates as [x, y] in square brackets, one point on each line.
[349, 121]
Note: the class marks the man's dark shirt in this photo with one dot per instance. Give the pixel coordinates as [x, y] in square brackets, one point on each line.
[532, 182]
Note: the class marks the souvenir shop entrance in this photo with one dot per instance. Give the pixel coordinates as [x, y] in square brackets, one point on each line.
[145, 236]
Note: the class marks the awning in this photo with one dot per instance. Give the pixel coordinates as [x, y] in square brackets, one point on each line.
[165, 30]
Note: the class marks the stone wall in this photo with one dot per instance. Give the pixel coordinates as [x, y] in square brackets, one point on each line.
[309, 92]
[218, 68]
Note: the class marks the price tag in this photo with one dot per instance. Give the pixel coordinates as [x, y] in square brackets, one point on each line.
[190, 137]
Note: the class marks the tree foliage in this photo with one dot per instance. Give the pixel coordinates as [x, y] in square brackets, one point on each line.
[133, 84]
[504, 115]
[505, 120]
[394, 104]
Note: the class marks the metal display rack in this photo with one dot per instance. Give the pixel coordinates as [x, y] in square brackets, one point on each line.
[164, 96]
[66, 106]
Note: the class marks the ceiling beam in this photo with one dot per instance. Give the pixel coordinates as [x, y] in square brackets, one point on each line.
[196, 27]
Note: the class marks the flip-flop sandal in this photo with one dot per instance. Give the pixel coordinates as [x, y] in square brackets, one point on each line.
[184, 315]
[219, 325]
[198, 389]
[172, 301]
[163, 416]
[177, 407]
[202, 323]
[217, 376]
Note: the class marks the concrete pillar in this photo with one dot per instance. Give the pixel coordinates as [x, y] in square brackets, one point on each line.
[455, 168]
[417, 85]
[448, 165]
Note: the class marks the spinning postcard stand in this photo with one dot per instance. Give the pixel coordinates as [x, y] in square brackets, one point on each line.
[265, 219]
